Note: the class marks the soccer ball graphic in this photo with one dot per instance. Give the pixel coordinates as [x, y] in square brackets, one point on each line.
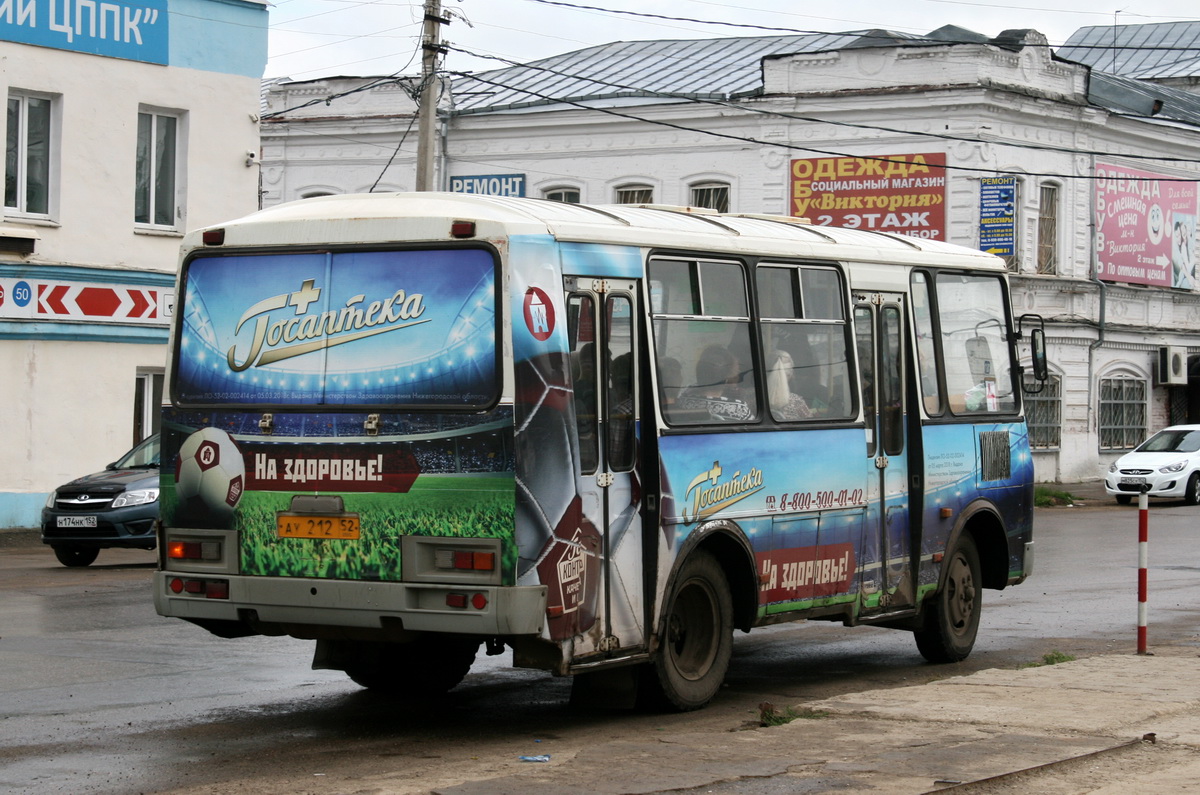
[210, 476]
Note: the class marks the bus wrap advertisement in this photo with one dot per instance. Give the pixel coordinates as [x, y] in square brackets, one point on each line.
[291, 333]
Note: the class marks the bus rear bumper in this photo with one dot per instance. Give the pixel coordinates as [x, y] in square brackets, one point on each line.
[309, 607]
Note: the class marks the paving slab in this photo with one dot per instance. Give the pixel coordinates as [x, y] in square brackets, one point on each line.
[1076, 727]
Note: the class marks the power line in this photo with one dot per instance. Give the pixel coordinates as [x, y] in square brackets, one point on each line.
[780, 29]
[395, 152]
[790, 146]
[813, 119]
[374, 83]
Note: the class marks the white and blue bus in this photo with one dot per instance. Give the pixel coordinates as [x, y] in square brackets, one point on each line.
[408, 425]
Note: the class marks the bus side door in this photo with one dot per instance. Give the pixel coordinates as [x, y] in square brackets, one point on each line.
[887, 579]
[604, 374]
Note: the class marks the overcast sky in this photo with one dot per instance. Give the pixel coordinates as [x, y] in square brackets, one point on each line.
[319, 38]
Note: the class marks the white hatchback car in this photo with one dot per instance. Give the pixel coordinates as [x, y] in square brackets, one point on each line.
[1168, 463]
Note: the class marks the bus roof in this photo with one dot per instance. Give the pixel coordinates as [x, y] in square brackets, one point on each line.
[383, 218]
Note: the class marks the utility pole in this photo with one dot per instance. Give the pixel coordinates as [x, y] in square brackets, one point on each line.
[431, 48]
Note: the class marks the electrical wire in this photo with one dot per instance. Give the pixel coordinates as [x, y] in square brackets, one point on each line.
[779, 29]
[395, 152]
[812, 119]
[790, 146]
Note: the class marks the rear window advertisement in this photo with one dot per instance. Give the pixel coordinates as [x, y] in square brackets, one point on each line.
[399, 328]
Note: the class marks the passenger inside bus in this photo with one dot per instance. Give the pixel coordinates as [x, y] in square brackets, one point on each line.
[785, 404]
[796, 377]
[670, 375]
[717, 391]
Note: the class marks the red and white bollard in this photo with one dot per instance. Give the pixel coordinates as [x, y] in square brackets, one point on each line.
[1143, 562]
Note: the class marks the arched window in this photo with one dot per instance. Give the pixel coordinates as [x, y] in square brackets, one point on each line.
[562, 194]
[1122, 411]
[713, 195]
[1043, 413]
[1047, 229]
[635, 194]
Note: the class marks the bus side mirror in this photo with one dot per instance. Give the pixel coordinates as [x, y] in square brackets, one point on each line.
[1037, 350]
[1037, 345]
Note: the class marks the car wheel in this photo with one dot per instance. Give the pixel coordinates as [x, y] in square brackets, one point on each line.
[1124, 499]
[952, 614]
[697, 640]
[1192, 495]
[76, 556]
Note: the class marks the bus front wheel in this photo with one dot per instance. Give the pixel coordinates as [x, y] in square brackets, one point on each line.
[952, 614]
[426, 667]
[697, 639]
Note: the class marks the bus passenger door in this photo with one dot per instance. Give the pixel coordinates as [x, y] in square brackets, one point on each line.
[887, 580]
[604, 344]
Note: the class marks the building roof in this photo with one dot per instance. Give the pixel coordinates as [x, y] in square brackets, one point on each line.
[644, 72]
[1155, 51]
[1134, 97]
[690, 69]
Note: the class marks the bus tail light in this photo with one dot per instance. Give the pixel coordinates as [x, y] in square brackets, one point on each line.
[464, 560]
[455, 562]
[194, 550]
[209, 589]
[461, 601]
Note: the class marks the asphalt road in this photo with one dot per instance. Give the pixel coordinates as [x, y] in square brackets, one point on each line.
[99, 694]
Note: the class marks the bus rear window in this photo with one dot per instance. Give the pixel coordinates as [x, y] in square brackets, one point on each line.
[408, 329]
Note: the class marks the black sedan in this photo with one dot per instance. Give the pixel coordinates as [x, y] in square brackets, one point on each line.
[113, 508]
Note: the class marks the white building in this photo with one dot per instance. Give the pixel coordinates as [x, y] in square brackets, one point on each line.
[1085, 181]
[127, 124]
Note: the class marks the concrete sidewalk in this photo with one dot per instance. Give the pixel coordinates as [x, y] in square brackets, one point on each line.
[1091, 493]
[1115, 724]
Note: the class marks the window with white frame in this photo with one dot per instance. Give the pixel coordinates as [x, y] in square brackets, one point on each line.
[156, 194]
[713, 195]
[1047, 242]
[147, 403]
[635, 194]
[566, 195]
[1043, 413]
[28, 150]
[1122, 412]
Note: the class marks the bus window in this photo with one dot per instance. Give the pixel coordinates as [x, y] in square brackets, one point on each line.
[931, 390]
[864, 338]
[702, 327]
[891, 381]
[975, 349]
[620, 399]
[581, 312]
[804, 342]
[822, 294]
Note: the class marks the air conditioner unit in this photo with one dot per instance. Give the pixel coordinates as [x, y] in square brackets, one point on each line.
[1172, 367]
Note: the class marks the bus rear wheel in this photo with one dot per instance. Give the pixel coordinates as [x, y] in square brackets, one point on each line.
[697, 636]
[952, 614]
[427, 667]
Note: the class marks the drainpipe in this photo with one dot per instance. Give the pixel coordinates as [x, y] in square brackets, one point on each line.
[1103, 288]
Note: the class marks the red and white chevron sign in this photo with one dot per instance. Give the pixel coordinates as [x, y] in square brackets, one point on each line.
[95, 302]
[105, 303]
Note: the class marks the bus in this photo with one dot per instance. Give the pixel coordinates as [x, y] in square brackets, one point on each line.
[408, 426]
